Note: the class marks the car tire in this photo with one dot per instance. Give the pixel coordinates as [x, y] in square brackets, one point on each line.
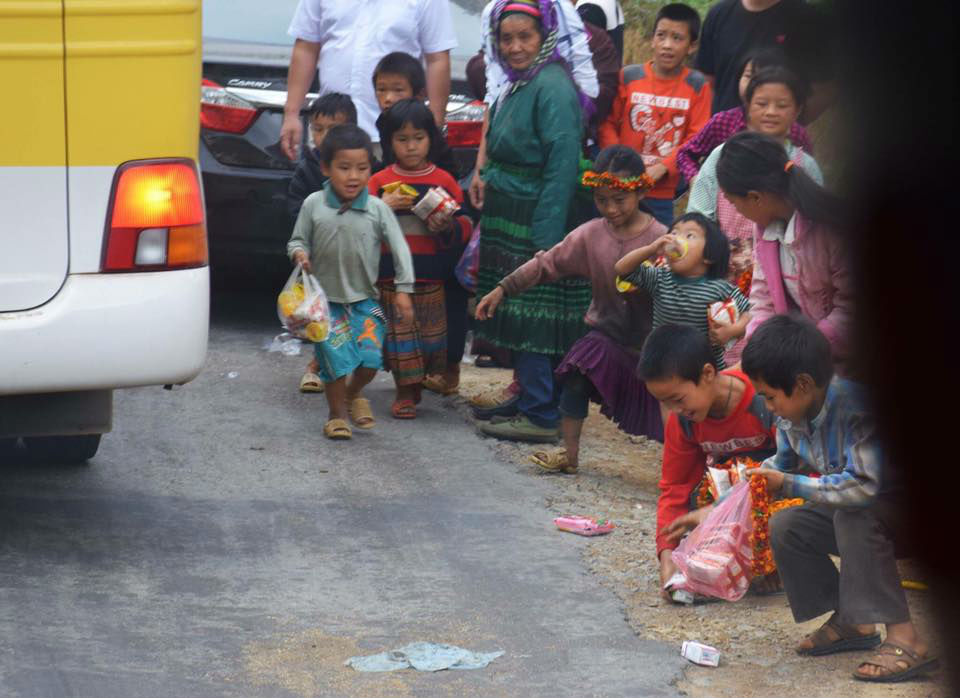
[63, 449]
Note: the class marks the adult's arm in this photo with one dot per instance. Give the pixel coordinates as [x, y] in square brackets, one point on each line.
[438, 84]
[579, 56]
[303, 63]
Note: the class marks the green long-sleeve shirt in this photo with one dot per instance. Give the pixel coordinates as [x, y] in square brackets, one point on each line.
[345, 248]
[533, 150]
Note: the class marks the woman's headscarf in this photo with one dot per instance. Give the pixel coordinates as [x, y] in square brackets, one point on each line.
[545, 13]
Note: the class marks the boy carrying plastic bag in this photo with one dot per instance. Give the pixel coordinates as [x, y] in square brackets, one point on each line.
[302, 307]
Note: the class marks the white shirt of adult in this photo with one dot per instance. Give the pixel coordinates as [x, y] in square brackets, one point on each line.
[572, 44]
[355, 34]
[611, 9]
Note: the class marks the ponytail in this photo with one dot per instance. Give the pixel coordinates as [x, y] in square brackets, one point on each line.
[754, 162]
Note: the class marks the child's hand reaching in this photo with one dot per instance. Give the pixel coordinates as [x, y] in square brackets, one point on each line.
[303, 259]
[489, 303]
[675, 529]
[397, 201]
[657, 171]
[403, 307]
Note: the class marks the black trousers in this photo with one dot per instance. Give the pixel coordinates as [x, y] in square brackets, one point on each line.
[865, 590]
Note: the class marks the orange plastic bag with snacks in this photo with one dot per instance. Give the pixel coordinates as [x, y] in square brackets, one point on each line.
[302, 307]
[717, 557]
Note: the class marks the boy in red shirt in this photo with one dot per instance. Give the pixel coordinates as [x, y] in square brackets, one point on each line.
[661, 104]
[713, 417]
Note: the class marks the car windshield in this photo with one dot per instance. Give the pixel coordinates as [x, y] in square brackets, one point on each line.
[256, 21]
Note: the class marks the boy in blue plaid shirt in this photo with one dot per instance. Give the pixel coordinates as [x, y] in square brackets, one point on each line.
[824, 425]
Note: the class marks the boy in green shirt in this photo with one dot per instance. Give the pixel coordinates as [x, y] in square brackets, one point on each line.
[338, 237]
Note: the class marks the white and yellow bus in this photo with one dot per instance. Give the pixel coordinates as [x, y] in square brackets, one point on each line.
[103, 250]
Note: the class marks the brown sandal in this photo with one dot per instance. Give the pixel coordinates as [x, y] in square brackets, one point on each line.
[439, 385]
[360, 413]
[899, 663]
[338, 430]
[554, 461]
[844, 639]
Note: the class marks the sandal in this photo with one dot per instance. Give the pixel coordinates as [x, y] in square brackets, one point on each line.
[439, 385]
[843, 639]
[899, 662]
[554, 461]
[403, 409]
[360, 413]
[311, 383]
[338, 430]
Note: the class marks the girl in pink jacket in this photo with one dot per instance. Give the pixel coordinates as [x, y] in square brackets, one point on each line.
[801, 263]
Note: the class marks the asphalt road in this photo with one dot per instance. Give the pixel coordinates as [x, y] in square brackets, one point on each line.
[218, 545]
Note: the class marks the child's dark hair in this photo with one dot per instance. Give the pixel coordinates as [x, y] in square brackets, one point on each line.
[405, 65]
[413, 112]
[623, 160]
[674, 351]
[764, 57]
[716, 250]
[785, 346]
[332, 105]
[619, 159]
[752, 161]
[678, 12]
[781, 75]
[344, 137]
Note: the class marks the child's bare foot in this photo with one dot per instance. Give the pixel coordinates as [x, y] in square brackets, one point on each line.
[834, 636]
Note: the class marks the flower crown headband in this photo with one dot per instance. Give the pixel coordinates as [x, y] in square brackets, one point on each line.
[641, 182]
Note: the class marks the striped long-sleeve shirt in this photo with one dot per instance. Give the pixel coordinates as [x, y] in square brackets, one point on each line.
[678, 300]
[840, 443]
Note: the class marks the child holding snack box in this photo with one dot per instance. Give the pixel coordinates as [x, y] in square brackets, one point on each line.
[426, 200]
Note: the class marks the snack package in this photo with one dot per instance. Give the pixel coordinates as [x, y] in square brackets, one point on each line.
[436, 202]
[701, 654]
[302, 307]
[725, 313]
[583, 526]
[716, 558]
[404, 189]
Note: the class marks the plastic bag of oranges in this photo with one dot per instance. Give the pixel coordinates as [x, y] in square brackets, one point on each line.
[302, 307]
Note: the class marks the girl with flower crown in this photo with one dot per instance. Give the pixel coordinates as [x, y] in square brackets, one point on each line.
[601, 365]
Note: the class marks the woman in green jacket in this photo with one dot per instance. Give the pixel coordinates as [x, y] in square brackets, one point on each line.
[529, 193]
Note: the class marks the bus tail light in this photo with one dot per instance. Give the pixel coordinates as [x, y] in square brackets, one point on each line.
[155, 220]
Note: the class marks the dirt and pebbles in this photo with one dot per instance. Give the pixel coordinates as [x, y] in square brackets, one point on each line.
[618, 480]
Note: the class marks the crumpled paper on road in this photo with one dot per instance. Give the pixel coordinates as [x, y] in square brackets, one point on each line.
[423, 656]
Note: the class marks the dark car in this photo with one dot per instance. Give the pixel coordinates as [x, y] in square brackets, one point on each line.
[246, 53]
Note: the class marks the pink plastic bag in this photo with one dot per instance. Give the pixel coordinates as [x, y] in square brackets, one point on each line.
[716, 557]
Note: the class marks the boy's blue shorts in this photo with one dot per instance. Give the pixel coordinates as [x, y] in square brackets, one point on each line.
[357, 331]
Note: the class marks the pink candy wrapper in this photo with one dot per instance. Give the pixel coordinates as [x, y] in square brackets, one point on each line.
[583, 526]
